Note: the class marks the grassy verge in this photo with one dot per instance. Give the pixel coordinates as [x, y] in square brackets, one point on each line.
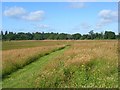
[11, 65]
[84, 65]
[96, 73]
[26, 77]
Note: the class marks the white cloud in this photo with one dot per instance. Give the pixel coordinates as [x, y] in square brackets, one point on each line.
[77, 5]
[34, 16]
[43, 26]
[21, 13]
[85, 26]
[98, 26]
[106, 17]
[14, 11]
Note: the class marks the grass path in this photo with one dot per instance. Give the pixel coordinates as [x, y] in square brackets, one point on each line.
[25, 78]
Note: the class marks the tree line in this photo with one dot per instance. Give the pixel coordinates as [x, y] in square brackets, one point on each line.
[58, 36]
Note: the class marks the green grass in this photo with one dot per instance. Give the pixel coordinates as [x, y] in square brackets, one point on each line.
[51, 70]
[96, 74]
[15, 66]
[93, 74]
[25, 78]
[90, 75]
[8, 45]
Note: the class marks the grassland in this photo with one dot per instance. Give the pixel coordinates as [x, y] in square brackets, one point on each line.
[18, 58]
[8, 45]
[80, 65]
[86, 64]
[25, 77]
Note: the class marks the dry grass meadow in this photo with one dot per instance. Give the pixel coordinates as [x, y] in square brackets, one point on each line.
[83, 64]
[17, 58]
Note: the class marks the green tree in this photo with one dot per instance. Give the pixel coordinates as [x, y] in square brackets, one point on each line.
[1, 35]
[6, 32]
[69, 37]
[84, 36]
[76, 36]
[38, 36]
[109, 35]
[62, 36]
[91, 33]
[10, 36]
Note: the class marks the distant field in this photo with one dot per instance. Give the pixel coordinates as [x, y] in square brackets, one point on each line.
[60, 64]
[8, 45]
[17, 54]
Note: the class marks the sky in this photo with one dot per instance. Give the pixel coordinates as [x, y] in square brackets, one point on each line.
[61, 17]
[60, 0]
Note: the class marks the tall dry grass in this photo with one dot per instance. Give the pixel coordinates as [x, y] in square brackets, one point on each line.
[84, 64]
[17, 58]
[81, 52]
[85, 51]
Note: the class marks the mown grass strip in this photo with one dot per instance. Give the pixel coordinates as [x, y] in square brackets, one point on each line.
[25, 78]
[30, 60]
[93, 74]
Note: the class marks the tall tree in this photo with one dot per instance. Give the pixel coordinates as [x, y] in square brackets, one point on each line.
[76, 36]
[109, 35]
[91, 33]
[6, 32]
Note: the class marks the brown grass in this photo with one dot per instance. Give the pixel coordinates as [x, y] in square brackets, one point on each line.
[69, 69]
[83, 64]
[82, 52]
[17, 58]
[85, 51]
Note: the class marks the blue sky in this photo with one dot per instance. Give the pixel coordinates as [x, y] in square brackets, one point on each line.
[67, 17]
